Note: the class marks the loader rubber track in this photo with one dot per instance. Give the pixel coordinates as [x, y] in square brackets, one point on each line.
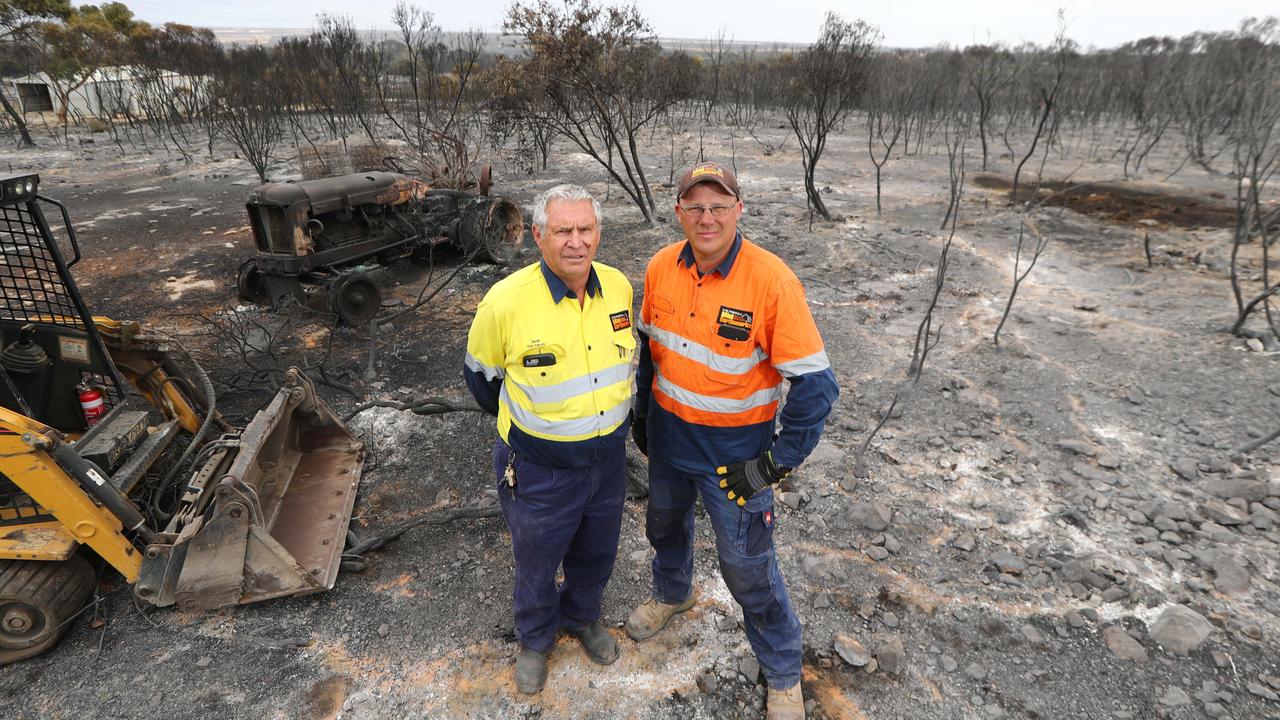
[37, 598]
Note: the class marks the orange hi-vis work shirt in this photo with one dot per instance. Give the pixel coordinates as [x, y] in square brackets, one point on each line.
[720, 345]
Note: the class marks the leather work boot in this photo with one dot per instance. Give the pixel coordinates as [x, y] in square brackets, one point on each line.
[785, 704]
[652, 616]
[598, 642]
[531, 670]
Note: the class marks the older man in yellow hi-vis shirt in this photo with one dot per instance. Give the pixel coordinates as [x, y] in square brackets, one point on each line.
[549, 354]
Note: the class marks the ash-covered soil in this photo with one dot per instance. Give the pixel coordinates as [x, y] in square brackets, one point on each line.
[1053, 527]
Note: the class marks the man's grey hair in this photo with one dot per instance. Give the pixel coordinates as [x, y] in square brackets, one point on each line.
[561, 192]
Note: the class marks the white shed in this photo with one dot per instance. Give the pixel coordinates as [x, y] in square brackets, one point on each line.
[107, 91]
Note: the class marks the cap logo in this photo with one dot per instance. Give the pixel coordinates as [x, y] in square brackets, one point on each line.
[707, 170]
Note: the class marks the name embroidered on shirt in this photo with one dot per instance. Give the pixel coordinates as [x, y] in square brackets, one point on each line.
[621, 320]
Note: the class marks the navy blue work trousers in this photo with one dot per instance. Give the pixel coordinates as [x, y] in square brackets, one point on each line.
[561, 516]
[748, 563]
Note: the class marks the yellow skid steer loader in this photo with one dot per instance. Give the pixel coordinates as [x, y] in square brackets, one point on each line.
[112, 451]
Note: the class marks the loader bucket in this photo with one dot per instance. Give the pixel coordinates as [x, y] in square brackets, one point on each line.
[275, 513]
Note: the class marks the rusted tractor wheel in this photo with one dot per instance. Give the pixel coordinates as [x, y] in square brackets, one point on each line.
[492, 229]
[251, 284]
[37, 599]
[355, 299]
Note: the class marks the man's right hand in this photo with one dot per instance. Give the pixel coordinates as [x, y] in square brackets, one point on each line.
[640, 433]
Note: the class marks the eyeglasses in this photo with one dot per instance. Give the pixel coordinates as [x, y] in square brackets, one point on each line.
[715, 210]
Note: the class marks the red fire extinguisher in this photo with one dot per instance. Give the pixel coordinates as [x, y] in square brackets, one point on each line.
[92, 403]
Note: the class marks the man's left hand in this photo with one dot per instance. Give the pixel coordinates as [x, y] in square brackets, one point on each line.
[741, 480]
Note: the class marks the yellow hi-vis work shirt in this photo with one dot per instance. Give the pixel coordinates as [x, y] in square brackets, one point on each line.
[557, 375]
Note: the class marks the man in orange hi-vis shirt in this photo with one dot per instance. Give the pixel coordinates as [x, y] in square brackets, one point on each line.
[724, 322]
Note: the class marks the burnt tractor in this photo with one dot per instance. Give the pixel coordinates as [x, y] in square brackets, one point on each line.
[316, 239]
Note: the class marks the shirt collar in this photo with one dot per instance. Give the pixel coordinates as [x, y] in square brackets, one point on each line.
[686, 256]
[559, 290]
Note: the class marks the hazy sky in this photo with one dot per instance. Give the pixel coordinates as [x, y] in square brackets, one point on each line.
[905, 23]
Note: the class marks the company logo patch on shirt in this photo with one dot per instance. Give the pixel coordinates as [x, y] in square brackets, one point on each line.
[734, 324]
[621, 320]
[768, 518]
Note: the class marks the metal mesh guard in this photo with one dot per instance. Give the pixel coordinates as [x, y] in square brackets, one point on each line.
[31, 287]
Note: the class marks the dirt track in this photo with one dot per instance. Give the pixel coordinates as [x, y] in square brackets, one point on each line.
[1041, 491]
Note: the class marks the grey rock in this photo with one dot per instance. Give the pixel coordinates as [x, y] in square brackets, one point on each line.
[790, 499]
[1229, 575]
[1223, 513]
[1262, 691]
[974, 671]
[750, 668]
[1236, 487]
[1215, 710]
[1175, 697]
[1122, 645]
[1221, 660]
[1179, 629]
[1075, 619]
[890, 656]
[1007, 562]
[822, 601]
[1079, 447]
[1114, 594]
[948, 663]
[889, 619]
[964, 542]
[1186, 468]
[851, 651]
[1272, 680]
[1032, 634]
[873, 516]
[1109, 461]
[877, 553]
[707, 682]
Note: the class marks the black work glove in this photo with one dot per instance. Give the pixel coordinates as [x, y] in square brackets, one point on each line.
[741, 480]
[640, 433]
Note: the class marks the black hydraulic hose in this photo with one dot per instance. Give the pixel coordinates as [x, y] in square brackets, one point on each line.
[210, 411]
[95, 482]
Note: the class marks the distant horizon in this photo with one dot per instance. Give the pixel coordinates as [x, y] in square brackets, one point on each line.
[908, 24]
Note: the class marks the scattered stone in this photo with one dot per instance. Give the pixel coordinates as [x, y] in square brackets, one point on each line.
[1075, 619]
[1007, 562]
[948, 663]
[890, 656]
[1223, 513]
[1175, 697]
[1079, 447]
[707, 682]
[790, 499]
[851, 651]
[1255, 345]
[1122, 644]
[1221, 660]
[877, 553]
[1186, 468]
[974, 671]
[1032, 634]
[889, 619]
[822, 601]
[1229, 575]
[1179, 629]
[384, 630]
[1214, 710]
[872, 516]
[1237, 487]
[1109, 461]
[964, 542]
[749, 667]
[1262, 691]
[204, 662]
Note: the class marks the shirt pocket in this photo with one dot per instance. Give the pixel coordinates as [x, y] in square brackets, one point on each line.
[661, 311]
[541, 377]
[625, 344]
